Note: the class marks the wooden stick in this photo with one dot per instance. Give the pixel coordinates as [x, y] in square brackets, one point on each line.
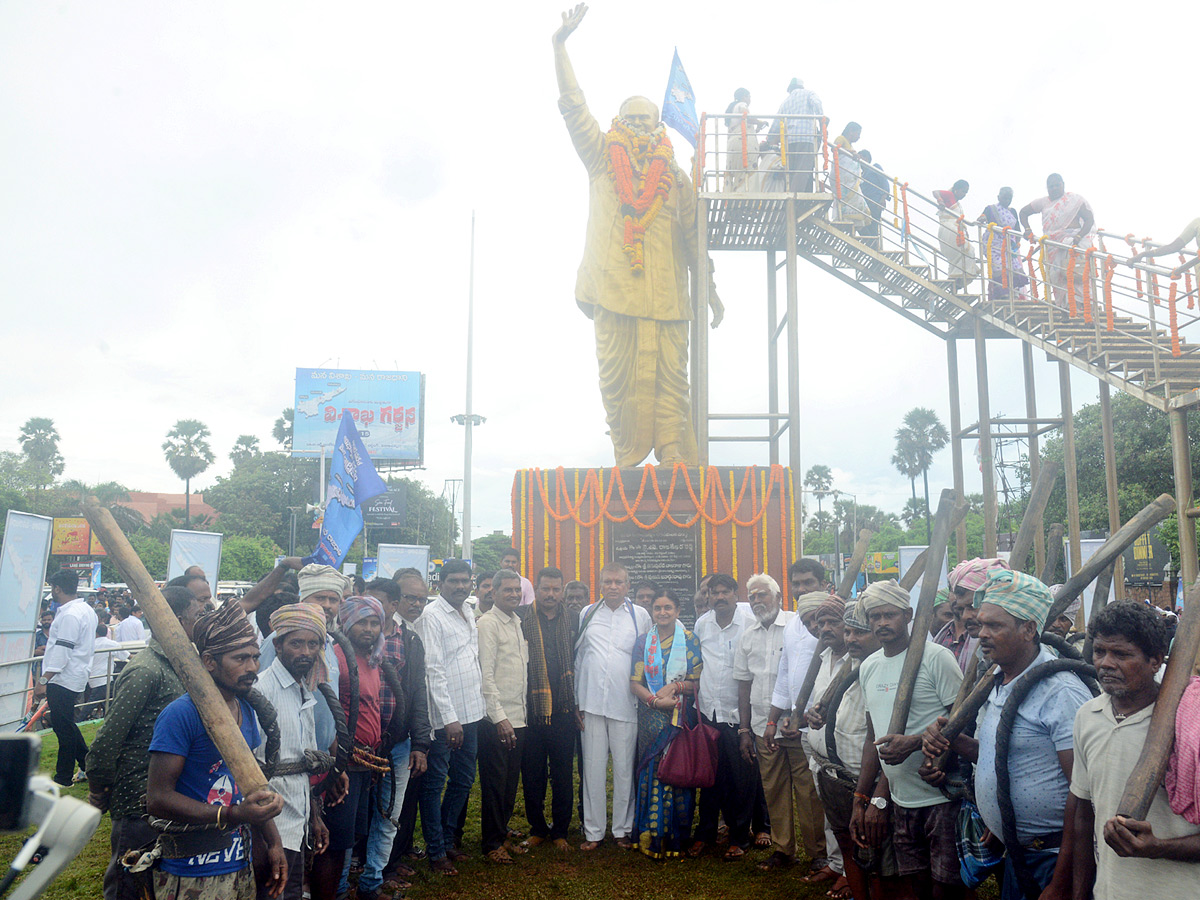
[1099, 601]
[806, 687]
[1107, 552]
[934, 563]
[856, 563]
[1152, 764]
[965, 713]
[1053, 551]
[844, 674]
[918, 565]
[964, 691]
[1038, 498]
[214, 712]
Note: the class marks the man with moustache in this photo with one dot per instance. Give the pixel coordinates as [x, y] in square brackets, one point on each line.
[188, 782]
[720, 631]
[299, 637]
[511, 560]
[575, 597]
[923, 819]
[701, 601]
[1115, 856]
[806, 576]
[961, 637]
[1012, 614]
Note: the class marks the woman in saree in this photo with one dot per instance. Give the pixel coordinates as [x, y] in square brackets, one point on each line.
[952, 232]
[850, 205]
[666, 669]
[1068, 225]
[1005, 253]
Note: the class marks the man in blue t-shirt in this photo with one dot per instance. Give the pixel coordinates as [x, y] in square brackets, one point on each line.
[190, 783]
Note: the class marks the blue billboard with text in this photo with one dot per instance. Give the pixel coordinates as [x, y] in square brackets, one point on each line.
[388, 409]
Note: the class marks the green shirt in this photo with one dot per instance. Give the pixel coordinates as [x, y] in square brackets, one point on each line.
[119, 758]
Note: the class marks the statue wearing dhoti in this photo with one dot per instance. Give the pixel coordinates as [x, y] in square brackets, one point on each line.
[633, 281]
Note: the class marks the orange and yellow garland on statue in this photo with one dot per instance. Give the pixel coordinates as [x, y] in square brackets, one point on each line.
[640, 167]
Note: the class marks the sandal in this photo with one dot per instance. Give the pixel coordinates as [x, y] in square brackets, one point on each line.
[443, 866]
[625, 844]
[820, 875]
[499, 856]
[518, 849]
[456, 855]
[402, 872]
[762, 840]
[589, 845]
[394, 886]
[734, 853]
[777, 860]
[840, 890]
[697, 849]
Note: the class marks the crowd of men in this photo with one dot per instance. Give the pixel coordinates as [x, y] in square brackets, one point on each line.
[523, 688]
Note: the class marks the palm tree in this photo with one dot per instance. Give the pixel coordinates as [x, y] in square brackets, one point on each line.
[905, 458]
[39, 442]
[282, 432]
[929, 436]
[820, 480]
[914, 509]
[188, 454]
[244, 448]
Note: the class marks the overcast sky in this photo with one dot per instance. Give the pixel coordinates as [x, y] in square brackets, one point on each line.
[197, 198]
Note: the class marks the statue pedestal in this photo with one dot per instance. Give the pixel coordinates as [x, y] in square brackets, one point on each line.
[670, 525]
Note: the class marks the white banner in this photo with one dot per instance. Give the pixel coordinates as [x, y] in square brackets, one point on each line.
[908, 555]
[22, 571]
[393, 557]
[195, 548]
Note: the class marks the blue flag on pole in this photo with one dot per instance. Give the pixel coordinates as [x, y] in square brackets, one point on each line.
[352, 481]
[679, 106]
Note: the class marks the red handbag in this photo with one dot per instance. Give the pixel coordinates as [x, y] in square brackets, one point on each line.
[690, 760]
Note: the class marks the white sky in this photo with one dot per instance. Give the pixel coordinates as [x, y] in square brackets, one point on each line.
[198, 198]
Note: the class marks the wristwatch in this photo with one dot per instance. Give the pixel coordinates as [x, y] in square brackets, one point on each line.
[879, 802]
[43, 680]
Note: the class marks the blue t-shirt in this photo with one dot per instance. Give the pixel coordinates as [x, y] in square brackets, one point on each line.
[205, 777]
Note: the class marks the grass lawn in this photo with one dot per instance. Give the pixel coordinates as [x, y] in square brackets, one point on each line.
[542, 874]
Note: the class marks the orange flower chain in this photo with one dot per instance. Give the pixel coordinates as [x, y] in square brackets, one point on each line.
[640, 167]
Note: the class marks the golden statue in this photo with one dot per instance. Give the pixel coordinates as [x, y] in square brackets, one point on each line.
[633, 281]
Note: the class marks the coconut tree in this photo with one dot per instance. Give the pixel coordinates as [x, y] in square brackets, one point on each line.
[282, 432]
[245, 447]
[819, 479]
[928, 435]
[39, 442]
[188, 454]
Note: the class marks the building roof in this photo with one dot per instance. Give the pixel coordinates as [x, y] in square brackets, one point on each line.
[150, 504]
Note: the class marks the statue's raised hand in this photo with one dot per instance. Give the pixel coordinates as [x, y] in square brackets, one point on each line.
[570, 21]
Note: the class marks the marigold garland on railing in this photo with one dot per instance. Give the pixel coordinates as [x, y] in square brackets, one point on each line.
[1175, 350]
[1109, 266]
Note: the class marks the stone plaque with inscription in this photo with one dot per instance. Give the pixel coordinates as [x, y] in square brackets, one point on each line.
[665, 555]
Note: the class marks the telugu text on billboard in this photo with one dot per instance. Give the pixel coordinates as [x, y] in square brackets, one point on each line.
[386, 407]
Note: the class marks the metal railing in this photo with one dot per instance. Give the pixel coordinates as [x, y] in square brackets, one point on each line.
[102, 702]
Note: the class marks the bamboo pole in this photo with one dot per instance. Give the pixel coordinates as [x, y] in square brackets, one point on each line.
[918, 565]
[965, 713]
[1152, 764]
[1070, 463]
[1146, 519]
[1035, 456]
[969, 681]
[856, 563]
[1099, 601]
[1031, 522]
[985, 442]
[1053, 551]
[214, 712]
[934, 563]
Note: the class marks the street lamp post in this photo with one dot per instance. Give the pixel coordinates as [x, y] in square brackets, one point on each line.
[469, 419]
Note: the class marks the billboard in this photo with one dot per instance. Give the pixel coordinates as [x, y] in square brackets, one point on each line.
[195, 548]
[1147, 561]
[23, 560]
[73, 537]
[388, 408]
[387, 510]
[391, 557]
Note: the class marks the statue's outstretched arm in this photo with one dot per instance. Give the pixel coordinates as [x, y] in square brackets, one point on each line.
[562, 62]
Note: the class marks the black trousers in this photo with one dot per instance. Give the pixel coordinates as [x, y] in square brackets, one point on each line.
[734, 793]
[549, 748]
[129, 833]
[499, 774]
[72, 748]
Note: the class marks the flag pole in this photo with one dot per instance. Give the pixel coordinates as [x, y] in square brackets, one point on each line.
[470, 413]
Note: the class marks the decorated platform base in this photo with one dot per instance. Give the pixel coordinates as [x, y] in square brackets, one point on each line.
[670, 525]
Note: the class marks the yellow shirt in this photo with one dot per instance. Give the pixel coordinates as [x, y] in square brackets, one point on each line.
[605, 277]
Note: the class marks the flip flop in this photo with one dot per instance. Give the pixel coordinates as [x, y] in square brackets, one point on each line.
[777, 860]
[697, 849]
[821, 875]
[762, 840]
[840, 890]
[733, 853]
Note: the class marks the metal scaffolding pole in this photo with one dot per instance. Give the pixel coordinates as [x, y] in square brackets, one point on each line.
[1035, 457]
[985, 443]
[772, 355]
[1181, 459]
[1069, 465]
[956, 454]
[793, 361]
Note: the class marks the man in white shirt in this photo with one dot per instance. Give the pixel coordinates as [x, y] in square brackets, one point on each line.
[66, 667]
[129, 627]
[720, 631]
[504, 661]
[608, 630]
[456, 707]
[511, 560]
[98, 675]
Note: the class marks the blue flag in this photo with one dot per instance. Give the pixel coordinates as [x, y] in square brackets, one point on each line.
[679, 106]
[352, 481]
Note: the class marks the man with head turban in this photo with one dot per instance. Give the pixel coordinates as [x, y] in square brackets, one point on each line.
[921, 818]
[189, 782]
[970, 574]
[298, 631]
[786, 772]
[1066, 619]
[943, 612]
[1012, 612]
[961, 635]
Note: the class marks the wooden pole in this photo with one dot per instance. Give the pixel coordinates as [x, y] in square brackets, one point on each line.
[1035, 456]
[1099, 601]
[1069, 464]
[1053, 552]
[969, 681]
[1152, 764]
[1031, 522]
[806, 686]
[1181, 460]
[918, 565]
[956, 454]
[1154, 513]
[847, 671]
[1110, 481]
[856, 563]
[985, 442]
[934, 563]
[214, 713]
[969, 709]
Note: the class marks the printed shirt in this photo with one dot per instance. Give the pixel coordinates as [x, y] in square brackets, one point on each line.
[938, 679]
[204, 777]
[120, 753]
[1106, 751]
[757, 661]
[69, 648]
[1042, 728]
[798, 648]
[451, 664]
[718, 697]
[603, 655]
[504, 664]
[393, 652]
[295, 705]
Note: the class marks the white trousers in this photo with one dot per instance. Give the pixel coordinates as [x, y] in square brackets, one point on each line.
[832, 851]
[601, 738]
